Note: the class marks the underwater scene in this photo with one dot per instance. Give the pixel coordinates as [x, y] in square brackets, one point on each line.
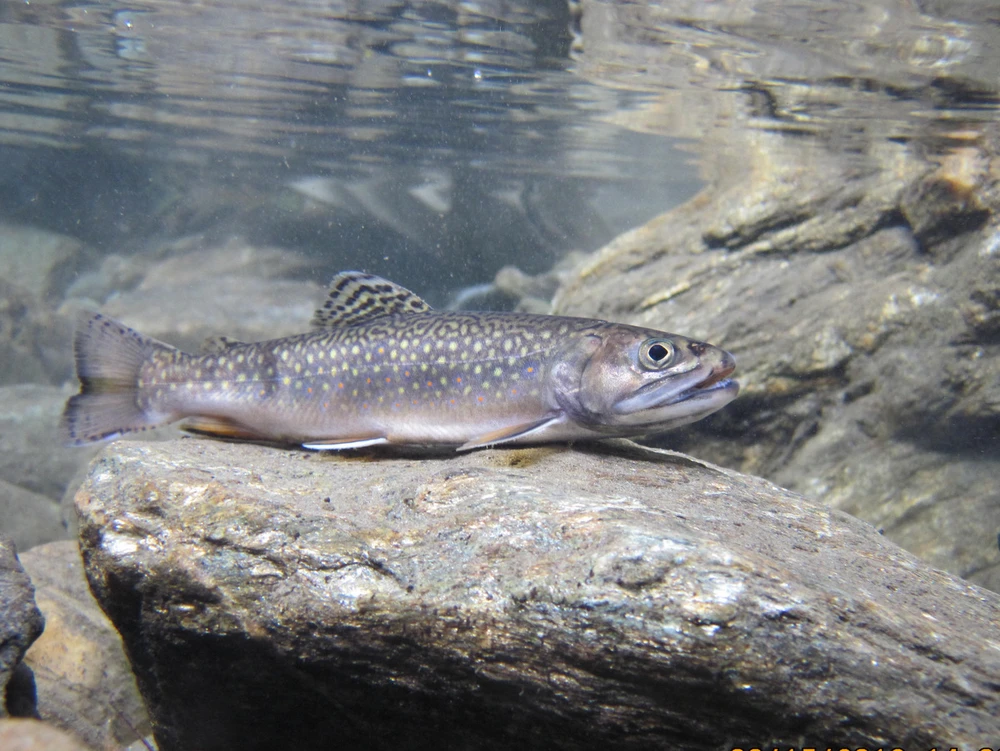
[495, 374]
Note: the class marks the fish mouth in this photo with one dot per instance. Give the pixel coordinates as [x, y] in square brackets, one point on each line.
[716, 388]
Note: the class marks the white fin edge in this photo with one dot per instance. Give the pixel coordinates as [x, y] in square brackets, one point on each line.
[337, 446]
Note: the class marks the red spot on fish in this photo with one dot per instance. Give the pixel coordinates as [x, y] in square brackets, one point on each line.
[513, 391]
[429, 384]
[531, 370]
[309, 390]
[458, 380]
[480, 398]
[406, 373]
[340, 385]
[388, 379]
[368, 380]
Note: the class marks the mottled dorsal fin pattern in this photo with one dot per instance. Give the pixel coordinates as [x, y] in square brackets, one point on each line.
[216, 345]
[356, 297]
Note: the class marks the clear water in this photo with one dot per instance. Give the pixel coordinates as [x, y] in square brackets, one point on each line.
[431, 142]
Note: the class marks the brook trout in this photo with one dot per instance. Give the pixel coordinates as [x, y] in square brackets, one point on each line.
[381, 367]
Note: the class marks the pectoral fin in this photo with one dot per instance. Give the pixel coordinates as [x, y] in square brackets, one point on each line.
[512, 432]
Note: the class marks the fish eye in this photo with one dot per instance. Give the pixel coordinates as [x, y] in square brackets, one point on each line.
[657, 353]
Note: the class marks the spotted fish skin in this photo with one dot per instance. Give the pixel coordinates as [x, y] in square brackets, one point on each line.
[382, 367]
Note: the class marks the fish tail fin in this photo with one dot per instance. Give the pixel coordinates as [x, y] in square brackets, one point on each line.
[109, 358]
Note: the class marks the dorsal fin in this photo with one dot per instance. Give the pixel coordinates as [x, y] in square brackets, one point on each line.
[356, 297]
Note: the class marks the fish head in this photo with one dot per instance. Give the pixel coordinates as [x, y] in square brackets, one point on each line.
[640, 380]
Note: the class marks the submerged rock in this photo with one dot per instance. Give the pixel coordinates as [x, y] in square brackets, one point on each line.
[83, 681]
[27, 518]
[24, 734]
[538, 598]
[866, 340]
[20, 625]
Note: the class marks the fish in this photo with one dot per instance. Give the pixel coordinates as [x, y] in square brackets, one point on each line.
[379, 366]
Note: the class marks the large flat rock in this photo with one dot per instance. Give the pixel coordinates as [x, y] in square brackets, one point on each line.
[556, 597]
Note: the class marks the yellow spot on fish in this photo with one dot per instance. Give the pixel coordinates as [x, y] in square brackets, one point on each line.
[241, 377]
[477, 347]
[508, 345]
[207, 385]
[467, 390]
[486, 386]
[284, 355]
[478, 369]
[321, 355]
[270, 371]
[286, 380]
[376, 368]
[497, 372]
[368, 356]
[355, 350]
[298, 384]
[298, 367]
[224, 385]
[309, 359]
[197, 374]
[403, 344]
[427, 348]
[333, 354]
[239, 359]
[326, 386]
[319, 370]
[393, 355]
[229, 367]
[452, 346]
[401, 390]
[163, 374]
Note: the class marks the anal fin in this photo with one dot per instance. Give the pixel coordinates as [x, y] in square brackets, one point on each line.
[512, 432]
[220, 427]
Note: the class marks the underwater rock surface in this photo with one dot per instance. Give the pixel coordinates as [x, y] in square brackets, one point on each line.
[20, 624]
[83, 681]
[25, 734]
[549, 597]
[863, 308]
